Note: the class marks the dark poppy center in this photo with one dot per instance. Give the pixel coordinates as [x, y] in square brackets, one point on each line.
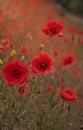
[53, 30]
[68, 61]
[43, 65]
[16, 72]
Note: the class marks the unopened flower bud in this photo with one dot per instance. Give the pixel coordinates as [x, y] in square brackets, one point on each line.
[23, 58]
[41, 46]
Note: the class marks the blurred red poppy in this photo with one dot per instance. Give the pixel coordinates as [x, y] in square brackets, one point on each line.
[68, 60]
[23, 89]
[6, 44]
[23, 50]
[49, 88]
[61, 80]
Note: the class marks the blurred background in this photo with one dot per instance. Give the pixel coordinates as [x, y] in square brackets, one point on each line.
[73, 6]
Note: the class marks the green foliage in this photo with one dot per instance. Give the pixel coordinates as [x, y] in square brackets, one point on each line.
[74, 6]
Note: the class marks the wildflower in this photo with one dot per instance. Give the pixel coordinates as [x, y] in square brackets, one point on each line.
[23, 89]
[1, 61]
[42, 63]
[13, 53]
[75, 72]
[53, 28]
[68, 94]
[23, 50]
[61, 80]
[55, 53]
[8, 32]
[6, 44]
[67, 60]
[14, 72]
[49, 88]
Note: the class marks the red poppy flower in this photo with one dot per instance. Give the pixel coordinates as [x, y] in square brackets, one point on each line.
[75, 72]
[6, 44]
[49, 88]
[68, 94]
[8, 32]
[67, 60]
[23, 50]
[61, 80]
[53, 28]
[15, 72]
[55, 53]
[22, 90]
[42, 63]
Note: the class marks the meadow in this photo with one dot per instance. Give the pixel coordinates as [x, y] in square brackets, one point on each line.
[41, 67]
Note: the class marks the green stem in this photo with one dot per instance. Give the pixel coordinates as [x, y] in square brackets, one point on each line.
[10, 102]
[22, 105]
